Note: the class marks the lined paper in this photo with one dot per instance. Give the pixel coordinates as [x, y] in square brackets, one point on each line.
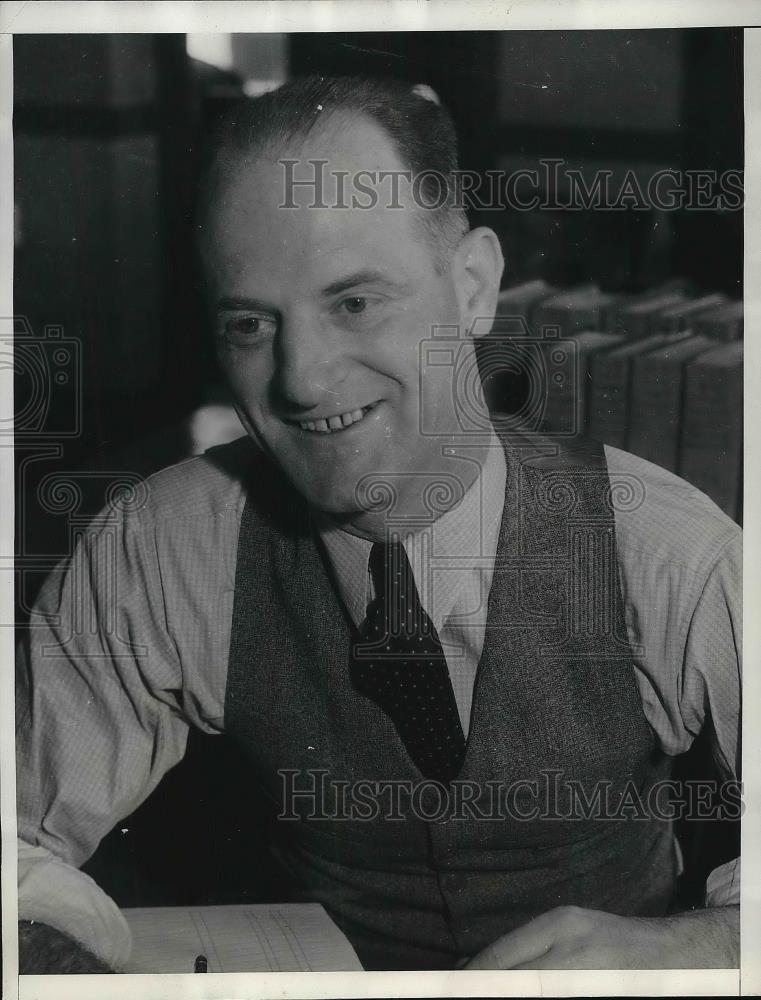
[286, 937]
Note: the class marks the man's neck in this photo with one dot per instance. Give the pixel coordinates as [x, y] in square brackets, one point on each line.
[425, 498]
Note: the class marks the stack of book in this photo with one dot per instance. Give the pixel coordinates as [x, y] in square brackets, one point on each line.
[723, 323]
[612, 388]
[657, 393]
[583, 308]
[658, 373]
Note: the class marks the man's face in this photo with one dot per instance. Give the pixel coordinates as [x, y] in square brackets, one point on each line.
[320, 314]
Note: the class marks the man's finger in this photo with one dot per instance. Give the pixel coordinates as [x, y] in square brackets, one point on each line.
[548, 960]
[524, 944]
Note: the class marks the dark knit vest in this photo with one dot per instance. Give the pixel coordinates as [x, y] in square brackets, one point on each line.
[559, 756]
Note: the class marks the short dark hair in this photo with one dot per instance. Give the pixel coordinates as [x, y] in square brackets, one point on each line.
[419, 126]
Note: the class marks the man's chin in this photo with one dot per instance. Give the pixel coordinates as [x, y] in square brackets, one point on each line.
[341, 490]
[337, 505]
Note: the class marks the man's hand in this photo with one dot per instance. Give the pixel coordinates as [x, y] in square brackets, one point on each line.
[44, 950]
[573, 938]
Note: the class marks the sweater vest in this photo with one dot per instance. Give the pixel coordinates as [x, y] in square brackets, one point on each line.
[554, 802]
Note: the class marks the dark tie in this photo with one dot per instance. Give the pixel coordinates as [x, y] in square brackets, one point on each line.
[399, 664]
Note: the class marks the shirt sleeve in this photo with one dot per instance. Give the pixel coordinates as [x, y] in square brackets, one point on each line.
[711, 686]
[98, 723]
[712, 671]
[54, 893]
[723, 885]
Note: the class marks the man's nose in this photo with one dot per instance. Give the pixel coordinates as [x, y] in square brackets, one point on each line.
[309, 362]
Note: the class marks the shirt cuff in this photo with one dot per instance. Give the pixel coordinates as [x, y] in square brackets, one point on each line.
[54, 893]
[723, 885]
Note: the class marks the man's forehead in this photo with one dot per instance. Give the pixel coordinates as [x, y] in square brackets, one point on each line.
[269, 199]
[340, 156]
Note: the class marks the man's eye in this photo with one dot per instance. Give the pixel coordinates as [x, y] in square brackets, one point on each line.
[246, 328]
[356, 304]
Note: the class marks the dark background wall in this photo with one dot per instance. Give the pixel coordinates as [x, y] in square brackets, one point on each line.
[105, 131]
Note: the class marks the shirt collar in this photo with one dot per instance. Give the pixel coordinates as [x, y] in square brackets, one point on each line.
[469, 532]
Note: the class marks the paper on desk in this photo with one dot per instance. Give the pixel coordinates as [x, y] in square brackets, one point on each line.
[287, 937]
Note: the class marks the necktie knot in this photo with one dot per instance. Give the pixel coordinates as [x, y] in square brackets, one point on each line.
[397, 602]
[379, 559]
[395, 589]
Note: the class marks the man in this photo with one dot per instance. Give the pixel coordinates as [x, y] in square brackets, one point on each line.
[385, 594]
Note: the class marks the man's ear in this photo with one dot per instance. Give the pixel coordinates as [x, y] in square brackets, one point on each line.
[477, 268]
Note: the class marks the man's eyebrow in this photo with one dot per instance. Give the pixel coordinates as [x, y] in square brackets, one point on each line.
[367, 277]
[359, 278]
[234, 302]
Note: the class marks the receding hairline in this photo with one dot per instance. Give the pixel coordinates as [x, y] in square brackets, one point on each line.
[441, 229]
[273, 149]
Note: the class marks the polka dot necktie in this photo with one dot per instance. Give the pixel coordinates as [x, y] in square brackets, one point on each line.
[399, 664]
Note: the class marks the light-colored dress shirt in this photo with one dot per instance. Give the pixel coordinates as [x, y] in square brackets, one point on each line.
[129, 648]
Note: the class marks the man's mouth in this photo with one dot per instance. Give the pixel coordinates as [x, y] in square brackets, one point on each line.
[329, 425]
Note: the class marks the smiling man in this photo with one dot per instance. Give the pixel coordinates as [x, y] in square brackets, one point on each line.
[459, 671]
[321, 308]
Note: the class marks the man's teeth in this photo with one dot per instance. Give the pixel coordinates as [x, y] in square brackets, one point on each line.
[333, 423]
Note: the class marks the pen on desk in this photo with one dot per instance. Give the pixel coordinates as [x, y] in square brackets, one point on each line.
[201, 964]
